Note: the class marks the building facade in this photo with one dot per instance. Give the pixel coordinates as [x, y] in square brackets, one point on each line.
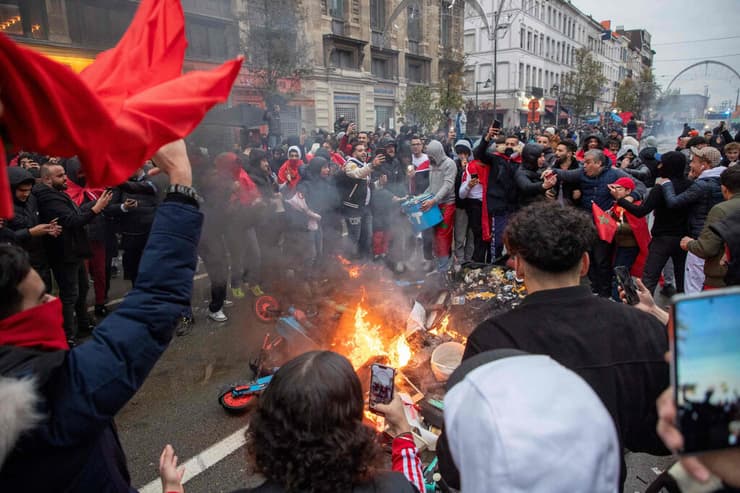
[536, 46]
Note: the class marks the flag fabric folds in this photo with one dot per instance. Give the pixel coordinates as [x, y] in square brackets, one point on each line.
[116, 114]
[606, 226]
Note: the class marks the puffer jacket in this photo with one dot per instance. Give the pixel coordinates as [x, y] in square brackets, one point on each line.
[527, 176]
[700, 197]
[636, 169]
[501, 191]
[82, 389]
[648, 157]
[596, 189]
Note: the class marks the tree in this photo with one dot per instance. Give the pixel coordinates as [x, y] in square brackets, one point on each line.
[627, 97]
[583, 85]
[273, 43]
[421, 107]
[451, 94]
[647, 92]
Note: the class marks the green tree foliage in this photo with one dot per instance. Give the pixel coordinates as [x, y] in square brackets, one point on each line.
[627, 97]
[647, 92]
[420, 107]
[582, 86]
[451, 94]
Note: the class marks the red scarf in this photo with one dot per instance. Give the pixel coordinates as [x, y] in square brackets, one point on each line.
[40, 326]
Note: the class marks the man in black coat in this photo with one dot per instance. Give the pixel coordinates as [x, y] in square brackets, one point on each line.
[615, 348]
[27, 231]
[66, 253]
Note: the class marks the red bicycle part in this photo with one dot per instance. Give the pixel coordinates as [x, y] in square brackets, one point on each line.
[267, 308]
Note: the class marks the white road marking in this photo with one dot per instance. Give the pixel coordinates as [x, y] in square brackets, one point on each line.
[204, 460]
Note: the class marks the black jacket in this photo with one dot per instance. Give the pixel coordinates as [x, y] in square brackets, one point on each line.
[26, 216]
[668, 222]
[615, 348]
[647, 156]
[699, 198]
[137, 220]
[501, 194]
[72, 245]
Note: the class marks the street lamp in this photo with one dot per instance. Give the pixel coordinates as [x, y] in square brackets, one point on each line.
[486, 85]
[555, 89]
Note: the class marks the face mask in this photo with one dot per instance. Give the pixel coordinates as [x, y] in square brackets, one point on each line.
[509, 151]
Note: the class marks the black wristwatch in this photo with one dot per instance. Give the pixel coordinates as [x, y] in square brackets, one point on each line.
[183, 193]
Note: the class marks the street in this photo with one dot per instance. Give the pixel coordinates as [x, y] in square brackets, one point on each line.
[178, 404]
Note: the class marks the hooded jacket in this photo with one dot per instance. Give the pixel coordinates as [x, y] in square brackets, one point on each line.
[525, 423]
[26, 216]
[650, 158]
[501, 190]
[636, 169]
[442, 173]
[527, 176]
[291, 166]
[700, 197]
[584, 148]
[82, 389]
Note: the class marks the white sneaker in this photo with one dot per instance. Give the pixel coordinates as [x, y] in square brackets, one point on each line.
[228, 303]
[218, 316]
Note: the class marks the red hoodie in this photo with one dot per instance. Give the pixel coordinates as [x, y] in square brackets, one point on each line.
[290, 166]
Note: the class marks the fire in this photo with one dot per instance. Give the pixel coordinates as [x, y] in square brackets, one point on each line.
[367, 342]
[444, 329]
[353, 271]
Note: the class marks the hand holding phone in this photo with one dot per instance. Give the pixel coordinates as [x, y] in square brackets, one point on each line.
[625, 281]
[381, 384]
[705, 369]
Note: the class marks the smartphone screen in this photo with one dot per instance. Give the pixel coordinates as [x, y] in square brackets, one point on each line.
[625, 281]
[381, 384]
[706, 369]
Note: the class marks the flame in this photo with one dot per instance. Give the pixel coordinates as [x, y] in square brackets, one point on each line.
[374, 420]
[367, 342]
[353, 271]
[444, 329]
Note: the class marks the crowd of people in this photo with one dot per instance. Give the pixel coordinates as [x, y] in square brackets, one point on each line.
[532, 201]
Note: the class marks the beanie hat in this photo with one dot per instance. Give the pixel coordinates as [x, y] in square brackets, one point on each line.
[527, 424]
[625, 182]
[651, 141]
[673, 164]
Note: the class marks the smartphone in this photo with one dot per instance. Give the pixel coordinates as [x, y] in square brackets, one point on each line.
[473, 176]
[705, 368]
[381, 384]
[625, 281]
[496, 124]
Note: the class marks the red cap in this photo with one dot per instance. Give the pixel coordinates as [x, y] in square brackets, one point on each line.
[625, 182]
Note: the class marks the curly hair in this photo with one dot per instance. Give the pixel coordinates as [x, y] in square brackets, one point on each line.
[306, 433]
[550, 237]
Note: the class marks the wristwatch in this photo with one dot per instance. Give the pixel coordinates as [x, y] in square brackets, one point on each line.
[186, 192]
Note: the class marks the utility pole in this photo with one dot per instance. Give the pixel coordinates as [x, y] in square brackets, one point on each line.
[496, 18]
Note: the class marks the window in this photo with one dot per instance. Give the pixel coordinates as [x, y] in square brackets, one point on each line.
[536, 45]
[336, 8]
[542, 44]
[343, 59]
[219, 8]
[521, 76]
[539, 78]
[469, 42]
[98, 26]
[384, 65]
[24, 18]
[521, 38]
[529, 41]
[536, 9]
[377, 15]
[527, 79]
[384, 116]
[445, 24]
[469, 78]
[413, 15]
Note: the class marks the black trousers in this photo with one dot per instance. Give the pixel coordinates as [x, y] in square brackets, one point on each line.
[661, 249]
[72, 280]
[475, 223]
[133, 250]
[213, 252]
[600, 272]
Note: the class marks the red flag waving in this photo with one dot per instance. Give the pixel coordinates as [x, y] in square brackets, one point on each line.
[127, 104]
[606, 226]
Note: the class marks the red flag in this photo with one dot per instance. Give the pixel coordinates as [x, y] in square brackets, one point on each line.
[6, 200]
[606, 226]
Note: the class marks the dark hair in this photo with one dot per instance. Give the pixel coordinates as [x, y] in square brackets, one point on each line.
[255, 157]
[570, 145]
[730, 178]
[609, 142]
[306, 433]
[14, 267]
[695, 141]
[672, 165]
[354, 146]
[550, 237]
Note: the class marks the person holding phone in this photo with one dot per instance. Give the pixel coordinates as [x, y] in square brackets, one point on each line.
[306, 433]
[472, 189]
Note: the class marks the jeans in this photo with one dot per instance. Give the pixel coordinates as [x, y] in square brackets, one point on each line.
[359, 232]
[661, 250]
[72, 280]
[463, 236]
